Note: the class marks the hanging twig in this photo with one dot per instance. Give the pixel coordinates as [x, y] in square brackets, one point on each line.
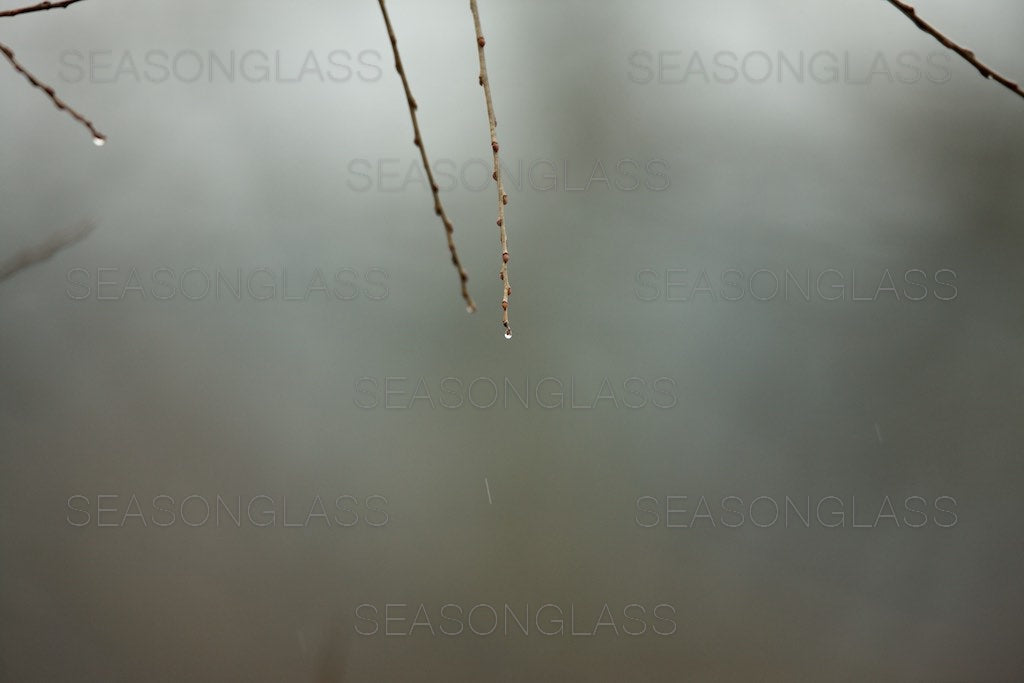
[502, 197]
[38, 8]
[968, 55]
[41, 252]
[97, 137]
[418, 141]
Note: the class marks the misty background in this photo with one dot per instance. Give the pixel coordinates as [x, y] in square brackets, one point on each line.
[861, 168]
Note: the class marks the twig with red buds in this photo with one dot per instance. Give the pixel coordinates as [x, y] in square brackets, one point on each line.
[968, 55]
[418, 141]
[97, 137]
[37, 8]
[485, 83]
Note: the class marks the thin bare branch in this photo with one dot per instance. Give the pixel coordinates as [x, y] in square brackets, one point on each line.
[41, 7]
[967, 54]
[39, 253]
[98, 138]
[485, 82]
[449, 229]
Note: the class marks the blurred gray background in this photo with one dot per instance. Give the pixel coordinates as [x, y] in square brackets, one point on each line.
[910, 163]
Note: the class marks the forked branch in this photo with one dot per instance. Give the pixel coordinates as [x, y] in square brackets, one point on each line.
[449, 230]
[967, 54]
[485, 82]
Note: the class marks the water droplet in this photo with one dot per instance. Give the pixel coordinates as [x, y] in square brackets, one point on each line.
[508, 334]
[469, 309]
[98, 141]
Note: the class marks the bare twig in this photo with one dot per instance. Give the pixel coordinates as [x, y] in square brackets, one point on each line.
[33, 255]
[97, 137]
[418, 141]
[38, 8]
[502, 197]
[968, 55]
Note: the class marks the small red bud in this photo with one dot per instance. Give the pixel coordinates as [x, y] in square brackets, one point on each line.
[504, 257]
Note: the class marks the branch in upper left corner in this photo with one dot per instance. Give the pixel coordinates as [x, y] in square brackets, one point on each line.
[97, 137]
[41, 7]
